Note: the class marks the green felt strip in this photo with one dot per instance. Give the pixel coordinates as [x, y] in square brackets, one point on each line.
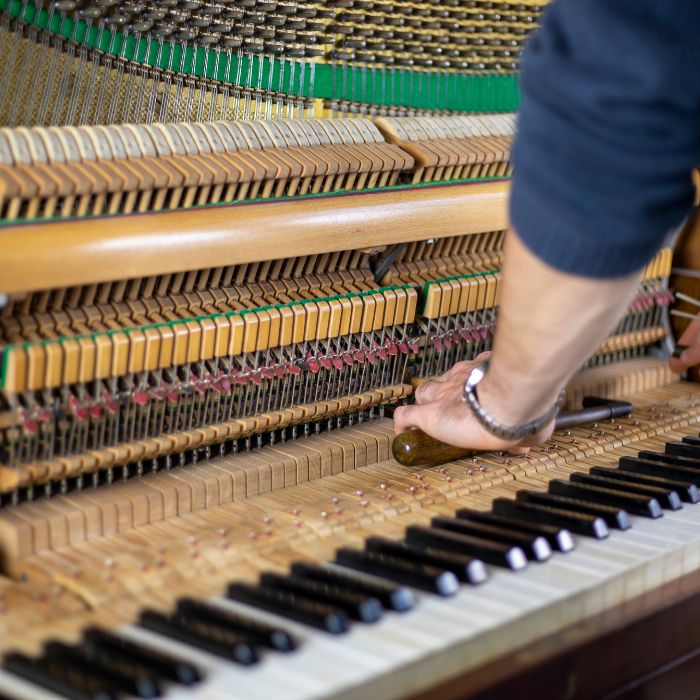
[431, 89]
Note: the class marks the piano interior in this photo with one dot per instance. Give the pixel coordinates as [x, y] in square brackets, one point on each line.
[235, 236]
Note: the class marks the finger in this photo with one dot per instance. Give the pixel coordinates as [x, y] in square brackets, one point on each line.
[406, 417]
[482, 356]
[691, 356]
[690, 334]
[690, 337]
[430, 391]
[465, 366]
[421, 391]
[676, 365]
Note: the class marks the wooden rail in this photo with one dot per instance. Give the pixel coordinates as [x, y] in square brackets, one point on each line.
[46, 255]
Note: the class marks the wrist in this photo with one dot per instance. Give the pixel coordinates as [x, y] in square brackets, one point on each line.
[515, 397]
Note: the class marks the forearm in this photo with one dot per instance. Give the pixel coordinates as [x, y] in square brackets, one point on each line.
[549, 323]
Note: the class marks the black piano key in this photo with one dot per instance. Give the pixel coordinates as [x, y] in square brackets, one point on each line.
[559, 538]
[358, 606]
[665, 458]
[58, 678]
[682, 449]
[325, 617]
[229, 646]
[688, 493]
[162, 664]
[659, 468]
[396, 598]
[131, 679]
[667, 498]
[614, 517]
[535, 547]
[491, 552]
[269, 636]
[414, 574]
[466, 569]
[580, 523]
[637, 505]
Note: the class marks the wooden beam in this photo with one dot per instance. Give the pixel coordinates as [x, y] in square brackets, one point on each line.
[38, 256]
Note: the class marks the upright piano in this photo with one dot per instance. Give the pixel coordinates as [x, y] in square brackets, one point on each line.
[234, 235]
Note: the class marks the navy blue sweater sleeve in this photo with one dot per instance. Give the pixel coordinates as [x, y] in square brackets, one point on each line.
[608, 132]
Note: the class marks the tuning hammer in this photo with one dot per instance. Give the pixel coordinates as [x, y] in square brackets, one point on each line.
[414, 447]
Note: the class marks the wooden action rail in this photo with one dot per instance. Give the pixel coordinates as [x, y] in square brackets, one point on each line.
[209, 237]
[107, 579]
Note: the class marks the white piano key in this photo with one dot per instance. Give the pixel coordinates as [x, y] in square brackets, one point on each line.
[224, 678]
[18, 688]
[349, 651]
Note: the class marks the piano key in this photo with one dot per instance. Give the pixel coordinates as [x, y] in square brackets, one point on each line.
[130, 678]
[223, 678]
[682, 449]
[559, 539]
[666, 458]
[557, 588]
[466, 569]
[348, 642]
[364, 647]
[163, 665]
[688, 493]
[535, 547]
[359, 607]
[396, 598]
[14, 687]
[414, 574]
[268, 636]
[580, 523]
[326, 617]
[667, 498]
[691, 440]
[496, 553]
[656, 467]
[234, 647]
[638, 505]
[58, 678]
[614, 517]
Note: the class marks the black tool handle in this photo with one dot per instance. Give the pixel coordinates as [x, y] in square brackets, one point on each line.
[414, 447]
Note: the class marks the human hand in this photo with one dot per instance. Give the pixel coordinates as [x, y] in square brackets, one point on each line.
[441, 412]
[691, 355]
